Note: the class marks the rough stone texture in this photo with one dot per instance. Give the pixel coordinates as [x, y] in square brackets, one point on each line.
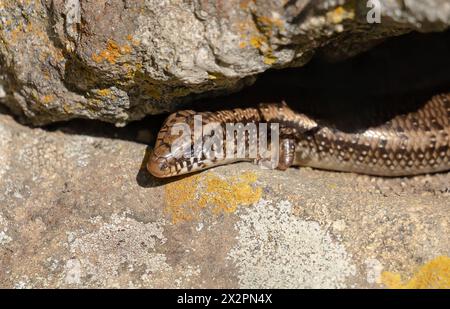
[120, 60]
[78, 210]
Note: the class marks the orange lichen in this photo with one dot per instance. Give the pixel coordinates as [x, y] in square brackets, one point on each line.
[270, 24]
[132, 69]
[257, 41]
[339, 14]
[242, 44]
[187, 197]
[225, 195]
[134, 42]
[104, 92]
[265, 27]
[270, 59]
[112, 52]
[433, 275]
[180, 199]
[49, 98]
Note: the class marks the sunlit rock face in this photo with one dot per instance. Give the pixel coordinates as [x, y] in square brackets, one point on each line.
[118, 61]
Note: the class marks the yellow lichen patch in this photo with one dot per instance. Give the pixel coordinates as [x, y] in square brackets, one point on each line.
[125, 49]
[93, 104]
[256, 42]
[433, 275]
[134, 42]
[261, 44]
[267, 26]
[132, 70]
[270, 59]
[225, 195]
[339, 14]
[270, 24]
[112, 52]
[47, 99]
[187, 197]
[104, 92]
[180, 199]
[242, 44]
[74, 107]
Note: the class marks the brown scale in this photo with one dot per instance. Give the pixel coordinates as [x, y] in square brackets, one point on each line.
[407, 144]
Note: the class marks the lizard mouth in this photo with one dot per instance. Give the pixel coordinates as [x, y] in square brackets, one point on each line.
[159, 167]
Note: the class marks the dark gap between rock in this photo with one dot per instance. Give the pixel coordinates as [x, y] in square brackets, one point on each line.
[400, 74]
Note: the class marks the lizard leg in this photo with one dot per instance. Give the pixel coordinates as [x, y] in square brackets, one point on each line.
[286, 152]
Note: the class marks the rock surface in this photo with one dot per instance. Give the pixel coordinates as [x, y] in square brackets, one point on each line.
[118, 61]
[77, 209]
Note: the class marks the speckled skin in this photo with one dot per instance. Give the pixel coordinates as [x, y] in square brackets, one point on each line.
[415, 143]
[407, 144]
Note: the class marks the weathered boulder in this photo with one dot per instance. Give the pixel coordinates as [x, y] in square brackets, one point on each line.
[118, 61]
[78, 209]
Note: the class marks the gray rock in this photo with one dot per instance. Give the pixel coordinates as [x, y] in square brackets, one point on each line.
[77, 209]
[118, 61]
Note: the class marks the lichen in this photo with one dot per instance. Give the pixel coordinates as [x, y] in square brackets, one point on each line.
[433, 275]
[112, 53]
[134, 41]
[270, 59]
[186, 198]
[47, 99]
[277, 249]
[227, 194]
[99, 257]
[339, 14]
[264, 27]
[180, 199]
[104, 92]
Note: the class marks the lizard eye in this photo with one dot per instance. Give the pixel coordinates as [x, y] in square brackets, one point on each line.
[158, 167]
[163, 166]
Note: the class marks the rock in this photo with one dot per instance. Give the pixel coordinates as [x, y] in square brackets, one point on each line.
[77, 209]
[118, 61]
